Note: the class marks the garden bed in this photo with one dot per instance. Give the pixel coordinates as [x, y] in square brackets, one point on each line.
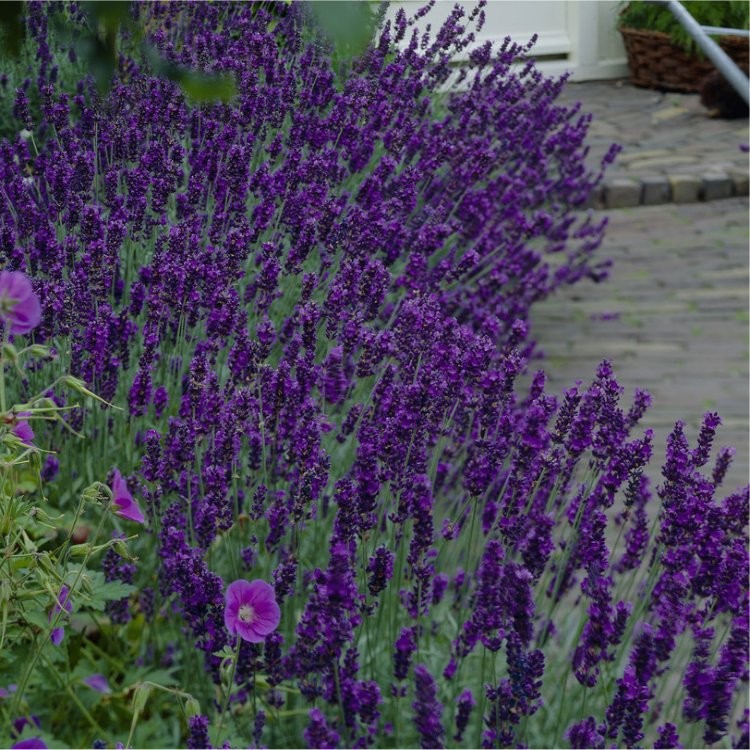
[270, 477]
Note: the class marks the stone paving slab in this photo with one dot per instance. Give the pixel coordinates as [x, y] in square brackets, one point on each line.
[672, 317]
[672, 150]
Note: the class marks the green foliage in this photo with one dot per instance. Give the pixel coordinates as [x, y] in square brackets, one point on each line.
[198, 87]
[348, 25]
[49, 582]
[11, 26]
[733, 14]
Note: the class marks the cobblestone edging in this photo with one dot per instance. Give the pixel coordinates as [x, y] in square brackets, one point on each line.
[627, 192]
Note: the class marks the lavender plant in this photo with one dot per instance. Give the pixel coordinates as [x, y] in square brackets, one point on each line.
[311, 302]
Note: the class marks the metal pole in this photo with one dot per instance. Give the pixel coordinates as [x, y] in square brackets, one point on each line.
[726, 66]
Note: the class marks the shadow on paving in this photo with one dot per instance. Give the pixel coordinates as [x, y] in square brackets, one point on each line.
[672, 318]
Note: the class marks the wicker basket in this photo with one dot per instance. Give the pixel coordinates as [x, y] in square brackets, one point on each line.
[655, 63]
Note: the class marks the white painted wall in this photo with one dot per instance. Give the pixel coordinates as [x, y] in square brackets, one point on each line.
[579, 36]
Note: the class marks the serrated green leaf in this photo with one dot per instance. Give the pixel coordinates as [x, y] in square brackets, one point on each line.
[108, 592]
[225, 653]
[163, 677]
[37, 618]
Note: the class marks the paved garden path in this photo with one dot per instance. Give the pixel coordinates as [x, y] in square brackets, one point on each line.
[672, 317]
[672, 150]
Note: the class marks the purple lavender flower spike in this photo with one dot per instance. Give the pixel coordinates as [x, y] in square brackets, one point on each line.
[723, 461]
[318, 733]
[197, 738]
[586, 734]
[700, 455]
[667, 737]
[637, 496]
[406, 645]
[258, 724]
[465, 705]
[380, 568]
[427, 709]
[50, 469]
[743, 724]
[732, 667]
[184, 572]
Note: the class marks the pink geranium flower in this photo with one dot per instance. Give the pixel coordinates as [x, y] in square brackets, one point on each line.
[251, 610]
[126, 506]
[62, 603]
[20, 309]
[31, 743]
[97, 682]
[22, 429]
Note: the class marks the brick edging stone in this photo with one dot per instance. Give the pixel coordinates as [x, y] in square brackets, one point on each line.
[627, 192]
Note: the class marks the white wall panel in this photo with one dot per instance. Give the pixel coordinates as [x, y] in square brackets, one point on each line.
[579, 36]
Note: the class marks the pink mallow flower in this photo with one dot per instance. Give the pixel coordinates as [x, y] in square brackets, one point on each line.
[62, 603]
[20, 309]
[126, 506]
[251, 610]
[31, 743]
[22, 429]
[97, 682]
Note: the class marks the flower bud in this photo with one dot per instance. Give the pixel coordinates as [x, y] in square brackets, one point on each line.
[192, 707]
[9, 353]
[44, 561]
[38, 350]
[140, 697]
[122, 550]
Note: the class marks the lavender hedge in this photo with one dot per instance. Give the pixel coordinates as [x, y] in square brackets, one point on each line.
[310, 305]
